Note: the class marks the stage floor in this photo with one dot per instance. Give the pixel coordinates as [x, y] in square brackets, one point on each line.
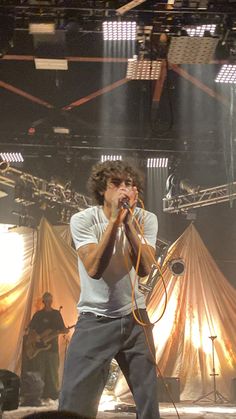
[185, 410]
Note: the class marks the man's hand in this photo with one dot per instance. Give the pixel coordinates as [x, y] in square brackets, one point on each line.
[123, 196]
[133, 199]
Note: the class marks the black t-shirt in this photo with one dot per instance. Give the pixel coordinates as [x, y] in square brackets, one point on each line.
[48, 320]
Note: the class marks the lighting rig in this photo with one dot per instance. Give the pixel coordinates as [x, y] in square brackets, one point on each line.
[30, 191]
[89, 15]
[199, 198]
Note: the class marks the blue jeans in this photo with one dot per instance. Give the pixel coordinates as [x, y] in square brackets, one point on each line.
[95, 342]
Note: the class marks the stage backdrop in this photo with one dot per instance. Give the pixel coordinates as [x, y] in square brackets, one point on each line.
[201, 303]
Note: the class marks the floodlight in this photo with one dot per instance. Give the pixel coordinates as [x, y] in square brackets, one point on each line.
[227, 74]
[143, 69]
[51, 64]
[12, 157]
[175, 186]
[177, 266]
[157, 162]
[191, 50]
[117, 31]
[144, 33]
[200, 30]
[61, 130]
[110, 157]
[41, 27]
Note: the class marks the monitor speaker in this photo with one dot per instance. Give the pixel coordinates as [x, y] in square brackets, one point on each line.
[9, 389]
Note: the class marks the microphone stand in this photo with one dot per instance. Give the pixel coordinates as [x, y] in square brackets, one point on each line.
[217, 396]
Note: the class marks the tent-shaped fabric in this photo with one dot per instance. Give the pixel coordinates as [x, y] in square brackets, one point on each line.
[49, 263]
[200, 303]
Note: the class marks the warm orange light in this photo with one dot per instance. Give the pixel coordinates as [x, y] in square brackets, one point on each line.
[12, 256]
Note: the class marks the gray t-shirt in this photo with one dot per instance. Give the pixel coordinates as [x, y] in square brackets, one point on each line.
[111, 295]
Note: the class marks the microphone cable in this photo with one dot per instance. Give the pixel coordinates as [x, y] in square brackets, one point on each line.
[134, 302]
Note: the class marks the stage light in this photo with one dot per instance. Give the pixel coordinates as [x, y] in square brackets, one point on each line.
[177, 266]
[51, 64]
[110, 157]
[143, 69]
[192, 49]
[176, 186]
[117, 31]
[157, 162]
[4, 165]
[61, 130]
[227, 74]
[12, 157]
[31, 131]
[24, 193]
[42, 27]
[200, 30]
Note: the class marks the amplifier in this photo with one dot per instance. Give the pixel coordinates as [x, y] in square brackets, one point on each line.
[10, 387]
[168, 389]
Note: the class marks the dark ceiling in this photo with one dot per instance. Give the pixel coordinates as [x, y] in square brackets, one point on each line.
[103, 111]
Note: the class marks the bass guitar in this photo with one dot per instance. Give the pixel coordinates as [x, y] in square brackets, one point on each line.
[35, 343]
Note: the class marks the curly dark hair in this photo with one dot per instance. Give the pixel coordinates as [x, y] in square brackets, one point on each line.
[102, 172]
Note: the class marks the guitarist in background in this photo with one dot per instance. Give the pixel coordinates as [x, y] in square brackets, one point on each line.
[42, 346]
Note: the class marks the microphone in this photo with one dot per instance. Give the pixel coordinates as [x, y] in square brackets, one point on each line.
[125, 203]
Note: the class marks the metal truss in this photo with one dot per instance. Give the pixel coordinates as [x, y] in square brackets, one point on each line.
[31, 190]
[95, 11]
[202, 198]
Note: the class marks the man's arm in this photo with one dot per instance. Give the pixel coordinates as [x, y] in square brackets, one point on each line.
[60, 325]
[96, 257]
[147, 254]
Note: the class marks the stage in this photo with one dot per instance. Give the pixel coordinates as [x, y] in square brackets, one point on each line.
[186, 410]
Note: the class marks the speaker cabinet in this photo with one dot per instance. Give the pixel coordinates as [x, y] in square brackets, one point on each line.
[233, 390]
[10, 384]
[168, 389]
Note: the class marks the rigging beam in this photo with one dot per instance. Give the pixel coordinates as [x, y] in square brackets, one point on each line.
[202, 198]
[30, 190]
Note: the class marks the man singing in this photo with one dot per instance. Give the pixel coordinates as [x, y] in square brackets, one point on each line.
[109, 244]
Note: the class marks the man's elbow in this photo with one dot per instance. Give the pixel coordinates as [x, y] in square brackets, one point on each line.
[93, 273]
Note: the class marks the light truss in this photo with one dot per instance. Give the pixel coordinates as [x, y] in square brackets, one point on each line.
[209, 196]
[96, 11]
[41, 191]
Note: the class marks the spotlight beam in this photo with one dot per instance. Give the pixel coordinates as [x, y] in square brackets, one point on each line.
[159, 85]
[93, 95]
[200, 85]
